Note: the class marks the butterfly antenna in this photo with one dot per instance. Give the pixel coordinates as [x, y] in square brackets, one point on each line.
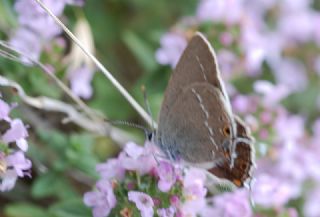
[129, 124]
[147, 105]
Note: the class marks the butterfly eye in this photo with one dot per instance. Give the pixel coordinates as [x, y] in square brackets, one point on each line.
[226, 131]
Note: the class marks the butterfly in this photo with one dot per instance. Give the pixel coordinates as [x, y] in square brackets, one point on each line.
[196, 123]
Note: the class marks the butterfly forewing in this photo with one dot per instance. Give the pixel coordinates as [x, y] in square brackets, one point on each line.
[193, 128]
[197, 64]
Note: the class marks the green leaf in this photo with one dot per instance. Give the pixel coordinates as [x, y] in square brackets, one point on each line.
[25, 210]
[41, 85]
[141, 50]
[70, 208]
[52, 184]
[107, 99]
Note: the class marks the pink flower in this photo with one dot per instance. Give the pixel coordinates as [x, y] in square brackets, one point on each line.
[290, 128]
[226, 38]
[17, 133]
[268, 90]
[138, 158]
[13, 163]
[8, 180]
[311, 206]
[134, 151]
[4, 110]
[167, 176]
[166, 212]
[80, 81]
[103, 200]
[270, 191]
[143, 202]
[298, 26]
[292, 73]
[175, 201]
[19, 163]
[244, 104]
[227, 62]
[172, 46]
[232, 204]
[194, 191]
[112, 169]
[219, 10]
[26, 42]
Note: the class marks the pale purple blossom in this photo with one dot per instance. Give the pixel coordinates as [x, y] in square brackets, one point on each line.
[290, 128]
[27, 42]
[175, 201]
[195, 191]
[36, 28]
[254, 45]
[134, 151]
[37, 19]
[258, 9]
[292, 161]
[138, 158]
[226, 38]
[311, 207]
[291, 73]
[244, 104]
[172, 46]
[80, 81]
[112, 169]
[167, 176]
[4, 110]
[19, 163]
[8, 180]
[268, 90]
[227, 62]
[231, 204]
[266, 117]
[143, 202]
[102, 200]
[210, 10]
[13, 163]
[228, 11]
[271, 191]
[297, 26]
[166, 212]
[17, 133]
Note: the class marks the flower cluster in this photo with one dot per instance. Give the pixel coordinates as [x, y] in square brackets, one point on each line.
[13, 145]
[31, 40]
[274, 45]
[135, 184]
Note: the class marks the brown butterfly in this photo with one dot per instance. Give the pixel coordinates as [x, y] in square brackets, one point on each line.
[196, 123]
